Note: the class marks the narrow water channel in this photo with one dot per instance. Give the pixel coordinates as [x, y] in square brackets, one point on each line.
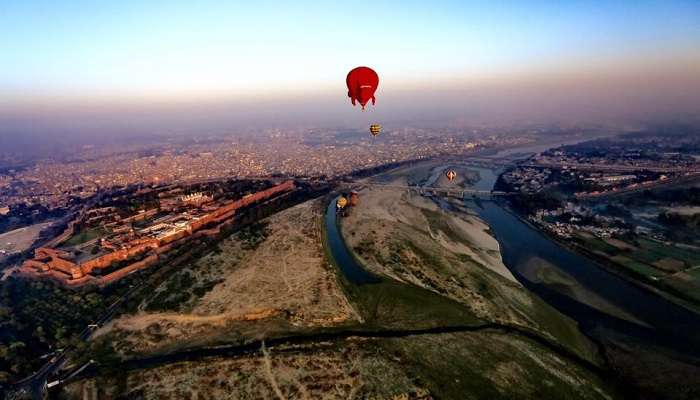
[350, 268]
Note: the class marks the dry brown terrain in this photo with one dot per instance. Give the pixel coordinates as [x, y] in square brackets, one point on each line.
[282, 279]
[327, 372]
[477, 365]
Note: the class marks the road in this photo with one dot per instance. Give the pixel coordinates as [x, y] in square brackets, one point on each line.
[640, 188]
[450, 191]
[610, 167]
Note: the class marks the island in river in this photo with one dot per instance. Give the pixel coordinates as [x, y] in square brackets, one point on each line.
[650, 344]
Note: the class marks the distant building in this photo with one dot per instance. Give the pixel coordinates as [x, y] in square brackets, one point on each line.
[619, 178]
[195, 199]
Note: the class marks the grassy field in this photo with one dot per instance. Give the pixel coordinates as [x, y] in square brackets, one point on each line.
[645, 256]
[347, 370]
[484, 365]
[658, 264]
[84, 236]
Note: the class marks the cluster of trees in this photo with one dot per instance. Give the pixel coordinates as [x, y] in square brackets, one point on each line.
[689, 196]
[253, 235]
[529, 203]
[21, 215]
[672, 219]
[37, 317]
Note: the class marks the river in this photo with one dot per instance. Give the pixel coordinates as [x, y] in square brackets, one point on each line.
[647, 317]
[663, 322]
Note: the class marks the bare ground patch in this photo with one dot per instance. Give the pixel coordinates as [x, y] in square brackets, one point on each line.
[280, 275]
[351, 372]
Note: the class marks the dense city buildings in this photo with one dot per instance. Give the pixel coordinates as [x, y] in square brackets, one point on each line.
[294, 153]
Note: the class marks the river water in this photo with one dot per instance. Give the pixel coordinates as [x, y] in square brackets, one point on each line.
[656, 320]
[350, 268]
[639, 314]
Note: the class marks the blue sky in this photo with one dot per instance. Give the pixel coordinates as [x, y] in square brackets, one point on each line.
[151, 48]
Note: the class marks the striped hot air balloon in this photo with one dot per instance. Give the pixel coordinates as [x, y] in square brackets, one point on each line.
[375, 129]
[451, 175]
[341, 203]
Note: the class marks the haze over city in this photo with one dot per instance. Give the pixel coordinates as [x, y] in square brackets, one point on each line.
[77, 68]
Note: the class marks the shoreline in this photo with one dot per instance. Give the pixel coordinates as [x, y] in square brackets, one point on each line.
[606, 265]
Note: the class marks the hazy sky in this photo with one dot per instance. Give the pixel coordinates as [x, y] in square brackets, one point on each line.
[110, 60]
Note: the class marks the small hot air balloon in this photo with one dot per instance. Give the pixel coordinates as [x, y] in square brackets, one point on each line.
[362, 83]
[375, 129]
[451, 175]
[354, 198]
[341, 203]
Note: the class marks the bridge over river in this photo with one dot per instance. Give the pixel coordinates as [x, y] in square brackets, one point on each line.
[454, 192]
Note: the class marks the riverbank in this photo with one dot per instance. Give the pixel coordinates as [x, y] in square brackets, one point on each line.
[609, 266]
[407, 239]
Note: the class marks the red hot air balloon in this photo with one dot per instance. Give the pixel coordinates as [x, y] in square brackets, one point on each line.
[362, 83]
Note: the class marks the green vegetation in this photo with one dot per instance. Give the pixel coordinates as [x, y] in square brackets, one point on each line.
[438, 222]
[598, 245]
[178, 290]
[656, 263]
[644, 252]
[639, 267]
[197, 275]
[37, 317]
[85, 235]
[679, 220]
[486, 365]
[253, 235]
[393, 305]
[688, 195]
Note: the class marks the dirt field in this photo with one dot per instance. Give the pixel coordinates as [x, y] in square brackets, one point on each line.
[280, 276]
[325, 373]
[20, 239]
[478, 365]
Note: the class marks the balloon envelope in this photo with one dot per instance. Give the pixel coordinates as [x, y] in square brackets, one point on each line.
[341, 203]
[362, 82]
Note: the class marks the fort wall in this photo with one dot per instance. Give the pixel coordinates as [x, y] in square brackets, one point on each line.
[57, 264]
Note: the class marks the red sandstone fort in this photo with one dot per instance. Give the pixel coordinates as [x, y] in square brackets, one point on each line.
[145, 249]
